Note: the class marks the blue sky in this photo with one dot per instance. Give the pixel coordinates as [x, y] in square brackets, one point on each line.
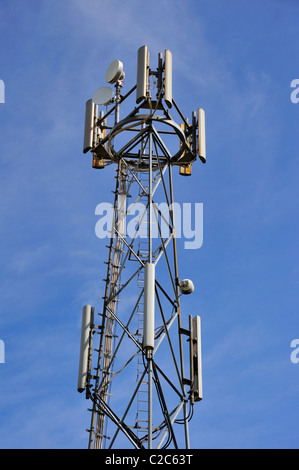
[236, 61]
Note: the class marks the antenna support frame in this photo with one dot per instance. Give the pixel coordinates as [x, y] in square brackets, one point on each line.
[182, 157]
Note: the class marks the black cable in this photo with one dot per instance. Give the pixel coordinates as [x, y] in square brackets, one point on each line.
[186, 418]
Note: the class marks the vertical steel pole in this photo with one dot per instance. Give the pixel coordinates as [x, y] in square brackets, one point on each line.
[150, 401]
[150, 195]
[150, 353]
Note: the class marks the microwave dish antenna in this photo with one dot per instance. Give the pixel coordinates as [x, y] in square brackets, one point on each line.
[115, 72]
[103, 96]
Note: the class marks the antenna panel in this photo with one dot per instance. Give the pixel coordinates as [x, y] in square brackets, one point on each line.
[84, 348]
[2, 92]
[196, 353]
[142, 73]
[149, 306]
[2, 352]
[201, 135]
[89, 126]
[168, 78]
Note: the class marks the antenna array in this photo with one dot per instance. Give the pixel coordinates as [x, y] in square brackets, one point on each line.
[139, 352]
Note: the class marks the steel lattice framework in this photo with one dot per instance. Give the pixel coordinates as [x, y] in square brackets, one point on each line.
[143, 390]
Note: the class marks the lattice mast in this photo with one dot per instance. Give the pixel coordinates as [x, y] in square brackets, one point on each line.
[140, 346]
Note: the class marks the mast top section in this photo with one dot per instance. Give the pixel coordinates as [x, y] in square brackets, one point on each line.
[150, 114]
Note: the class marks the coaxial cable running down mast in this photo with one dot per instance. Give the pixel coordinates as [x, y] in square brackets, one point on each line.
[142, 390]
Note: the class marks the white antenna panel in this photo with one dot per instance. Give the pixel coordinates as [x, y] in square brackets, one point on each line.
[149, 306]
[201, 135]
[84, 347]
[2, 92]
[103, 95]
[142, 73]
[168, 78]
[114, 72]
[197, 363]
[2, 352]
[89, 126]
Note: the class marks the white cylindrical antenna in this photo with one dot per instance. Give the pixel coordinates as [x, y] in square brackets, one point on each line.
[168, 78]
[201, 135]
[149, 306]
[142, 73]
[89, 126]
[84, 348]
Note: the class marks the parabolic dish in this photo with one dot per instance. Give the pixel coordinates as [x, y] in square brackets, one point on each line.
[102, 95]
[114, 71]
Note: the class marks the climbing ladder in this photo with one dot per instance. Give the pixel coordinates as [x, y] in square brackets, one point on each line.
[141, 423]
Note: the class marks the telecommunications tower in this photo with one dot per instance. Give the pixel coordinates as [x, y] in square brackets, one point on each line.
[140, 366]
